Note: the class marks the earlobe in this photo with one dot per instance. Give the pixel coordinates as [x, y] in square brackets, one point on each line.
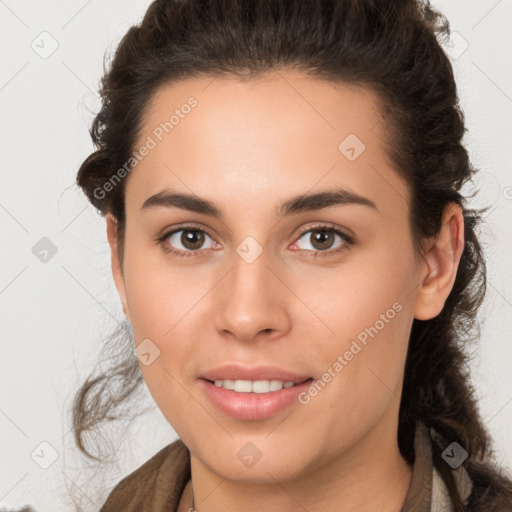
[117, 269]
[440, 265]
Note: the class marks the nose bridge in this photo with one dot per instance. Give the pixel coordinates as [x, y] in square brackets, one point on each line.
[250, 270]
[249, 282]
[250, 260]
[252, 299]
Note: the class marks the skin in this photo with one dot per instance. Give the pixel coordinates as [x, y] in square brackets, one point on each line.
[249, 147]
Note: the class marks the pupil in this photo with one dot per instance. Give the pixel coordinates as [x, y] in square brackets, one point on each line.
[192, 239]
[325, 236]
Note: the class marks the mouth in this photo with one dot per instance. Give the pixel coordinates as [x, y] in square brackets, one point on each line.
[253, 400]
[256, 386]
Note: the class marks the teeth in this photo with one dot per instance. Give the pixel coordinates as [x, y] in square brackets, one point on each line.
[253, 386]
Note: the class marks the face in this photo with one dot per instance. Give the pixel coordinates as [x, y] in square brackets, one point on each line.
[320, 292]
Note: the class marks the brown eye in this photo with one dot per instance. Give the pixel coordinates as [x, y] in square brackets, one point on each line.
[192, 239]
[185, 241]
[323, 240]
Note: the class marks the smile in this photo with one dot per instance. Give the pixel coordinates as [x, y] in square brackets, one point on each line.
[253, 399]
[254, 386]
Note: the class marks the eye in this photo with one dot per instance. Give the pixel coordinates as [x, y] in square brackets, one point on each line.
[322, 239]
[191, 240]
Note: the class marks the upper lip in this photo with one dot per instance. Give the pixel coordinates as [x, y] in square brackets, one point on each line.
[240, 372]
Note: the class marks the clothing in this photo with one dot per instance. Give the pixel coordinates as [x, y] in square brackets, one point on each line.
[157, 485]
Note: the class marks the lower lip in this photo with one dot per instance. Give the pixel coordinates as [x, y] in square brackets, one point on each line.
[252, 406]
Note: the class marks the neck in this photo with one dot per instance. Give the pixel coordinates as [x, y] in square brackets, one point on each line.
[372, 475]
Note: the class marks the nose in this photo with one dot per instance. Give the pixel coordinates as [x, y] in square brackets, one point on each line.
[253, 301]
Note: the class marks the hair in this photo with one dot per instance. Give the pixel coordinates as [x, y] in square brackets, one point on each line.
[391, 47]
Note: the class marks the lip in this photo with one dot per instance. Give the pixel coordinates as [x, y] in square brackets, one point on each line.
[239, 372]
[253, 406]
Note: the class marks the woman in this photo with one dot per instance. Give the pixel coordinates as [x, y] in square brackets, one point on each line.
[299, 270]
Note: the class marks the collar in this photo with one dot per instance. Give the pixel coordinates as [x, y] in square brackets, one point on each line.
[427, 490]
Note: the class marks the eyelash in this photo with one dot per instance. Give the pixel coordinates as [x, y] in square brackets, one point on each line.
[348, 240]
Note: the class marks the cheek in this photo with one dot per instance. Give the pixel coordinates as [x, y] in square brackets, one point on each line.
[159, 293]
[162, 310]
[366, 312]
[362, 292]
[165, 302]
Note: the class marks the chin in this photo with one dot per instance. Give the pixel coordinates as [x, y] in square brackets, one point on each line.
[254, 460]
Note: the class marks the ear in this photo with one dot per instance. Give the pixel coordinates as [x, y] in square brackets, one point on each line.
[440, 264]
[117, 269]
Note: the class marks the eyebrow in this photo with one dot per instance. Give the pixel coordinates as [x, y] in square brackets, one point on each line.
[298, 204]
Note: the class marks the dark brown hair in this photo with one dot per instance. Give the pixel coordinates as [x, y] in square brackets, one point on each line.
[389, 46]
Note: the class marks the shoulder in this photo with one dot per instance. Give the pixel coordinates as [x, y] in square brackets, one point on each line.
[155, 485]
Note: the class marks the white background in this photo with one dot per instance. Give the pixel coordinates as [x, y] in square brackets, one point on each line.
[55, 313]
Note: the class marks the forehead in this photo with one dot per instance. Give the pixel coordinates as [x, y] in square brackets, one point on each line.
[279, 135]
[279, 103]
